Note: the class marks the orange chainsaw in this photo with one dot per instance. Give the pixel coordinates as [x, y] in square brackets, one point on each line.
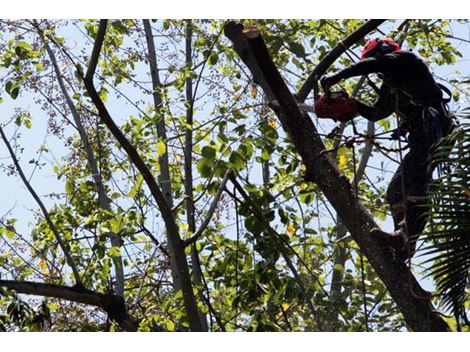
[335, 105]
[331, 105]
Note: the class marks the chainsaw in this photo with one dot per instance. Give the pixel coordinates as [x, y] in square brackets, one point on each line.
[332, 105]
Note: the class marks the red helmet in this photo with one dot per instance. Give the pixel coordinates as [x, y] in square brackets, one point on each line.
[374, 43]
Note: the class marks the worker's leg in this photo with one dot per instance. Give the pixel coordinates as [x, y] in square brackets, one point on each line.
[406, 195]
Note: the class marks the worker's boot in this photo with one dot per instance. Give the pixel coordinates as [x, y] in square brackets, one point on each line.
[397, 241]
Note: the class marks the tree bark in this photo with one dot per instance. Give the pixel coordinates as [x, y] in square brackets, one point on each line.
[164, 177]
[113, 305]
[410, 298]
[188, 169]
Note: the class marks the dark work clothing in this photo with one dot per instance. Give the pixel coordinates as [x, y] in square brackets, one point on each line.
[409, 90]
[402, 70]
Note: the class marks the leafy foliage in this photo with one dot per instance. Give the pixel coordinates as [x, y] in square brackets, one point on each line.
[449, 232]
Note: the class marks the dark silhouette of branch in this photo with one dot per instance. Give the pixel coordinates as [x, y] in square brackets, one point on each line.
[418, 312]
[113, 305]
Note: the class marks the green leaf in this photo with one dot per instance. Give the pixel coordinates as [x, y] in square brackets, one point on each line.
[213, 58]
[69, 187]
[120, 27]
[136, 187]
[208, 152]
[13, 90]
[114, 251]
[169, 325]
[166, 24]
[237, 161]
[8, 86]
[39, 66]
[161, 148]
[204, 167]
[297, 49]
[8, 231]
[117, 223]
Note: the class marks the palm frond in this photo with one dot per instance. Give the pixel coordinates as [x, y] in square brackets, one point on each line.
[447, 239]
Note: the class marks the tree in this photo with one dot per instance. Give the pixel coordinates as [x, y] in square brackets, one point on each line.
[178, 202]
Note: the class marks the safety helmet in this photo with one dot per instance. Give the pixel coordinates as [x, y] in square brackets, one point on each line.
[377, 43]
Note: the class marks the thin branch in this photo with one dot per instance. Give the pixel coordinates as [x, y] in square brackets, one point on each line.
[104, 201]
[210, 212]
[51, 224]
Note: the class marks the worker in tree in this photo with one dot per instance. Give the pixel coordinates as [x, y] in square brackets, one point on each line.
[409, 90]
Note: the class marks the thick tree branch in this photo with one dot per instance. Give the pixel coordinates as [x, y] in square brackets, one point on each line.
[402, 285]
[113, 305]
[163, 161]
[188, 167]
[164, 177]
[55, 231]
[174, 240]
[336, 52]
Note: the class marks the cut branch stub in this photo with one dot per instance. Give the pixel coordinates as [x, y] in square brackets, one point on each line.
[251, 32]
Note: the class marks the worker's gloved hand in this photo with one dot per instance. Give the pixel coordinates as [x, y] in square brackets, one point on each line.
[328, 81]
